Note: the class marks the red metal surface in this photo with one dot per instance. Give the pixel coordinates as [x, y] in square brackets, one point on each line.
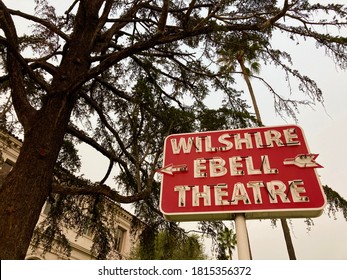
[216, 161]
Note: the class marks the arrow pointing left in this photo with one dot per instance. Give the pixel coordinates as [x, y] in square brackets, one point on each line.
[171, 169]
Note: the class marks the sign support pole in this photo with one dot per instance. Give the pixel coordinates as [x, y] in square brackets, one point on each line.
[242, 237]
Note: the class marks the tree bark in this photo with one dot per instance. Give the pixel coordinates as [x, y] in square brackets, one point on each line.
[27, 186]
[286, 232]
[288, 239]
[29, 183]
[240, 60]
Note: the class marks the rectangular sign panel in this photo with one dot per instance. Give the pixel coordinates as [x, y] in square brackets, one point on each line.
[264, 172]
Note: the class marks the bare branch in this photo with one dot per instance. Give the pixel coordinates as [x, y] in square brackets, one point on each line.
[163, 17]
[108, 172]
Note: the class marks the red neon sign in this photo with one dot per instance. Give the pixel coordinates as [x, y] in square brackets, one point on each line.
[264, 172]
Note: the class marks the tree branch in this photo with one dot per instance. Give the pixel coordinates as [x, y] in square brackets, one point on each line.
[108, 172]
[101, 190]
[163, 17]
[282, 13]
[102, 117]
[91, 142]
[43, 22]
[19, 96]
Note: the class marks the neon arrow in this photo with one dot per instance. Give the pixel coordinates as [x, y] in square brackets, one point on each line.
[170, 169]
[303, 161]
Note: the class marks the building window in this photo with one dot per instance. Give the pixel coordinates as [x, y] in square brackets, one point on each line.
[120, 236]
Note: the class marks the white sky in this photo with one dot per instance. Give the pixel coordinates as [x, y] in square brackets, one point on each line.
[326, 134]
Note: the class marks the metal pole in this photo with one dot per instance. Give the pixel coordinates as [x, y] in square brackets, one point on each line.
[242, 237]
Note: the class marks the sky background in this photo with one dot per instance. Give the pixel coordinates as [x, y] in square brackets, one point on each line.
[325, 129]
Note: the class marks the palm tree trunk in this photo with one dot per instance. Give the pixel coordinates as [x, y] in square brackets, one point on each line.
[249, 86]
[288, 239]
[286, 232]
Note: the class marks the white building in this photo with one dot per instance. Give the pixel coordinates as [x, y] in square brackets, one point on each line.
[9, 151]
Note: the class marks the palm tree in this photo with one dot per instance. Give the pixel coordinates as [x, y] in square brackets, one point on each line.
[240, 56]
[242, 52]
[226, 244]
[246, 49]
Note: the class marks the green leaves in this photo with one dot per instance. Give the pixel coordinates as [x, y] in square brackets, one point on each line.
[170, 246]
[226, 243]
[336, 203]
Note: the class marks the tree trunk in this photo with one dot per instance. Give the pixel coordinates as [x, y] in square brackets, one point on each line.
[27, 186]
[249, 86]
[286, 232]
[29, 183]
[288, 239]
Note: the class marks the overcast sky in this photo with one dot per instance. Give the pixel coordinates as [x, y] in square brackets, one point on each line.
[326, 134]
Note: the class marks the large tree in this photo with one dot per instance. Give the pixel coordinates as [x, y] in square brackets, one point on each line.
[119, 76]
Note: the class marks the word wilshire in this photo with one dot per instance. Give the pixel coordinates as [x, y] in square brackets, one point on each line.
[237, 166]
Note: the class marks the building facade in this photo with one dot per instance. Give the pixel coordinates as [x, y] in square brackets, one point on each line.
[81, 245]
